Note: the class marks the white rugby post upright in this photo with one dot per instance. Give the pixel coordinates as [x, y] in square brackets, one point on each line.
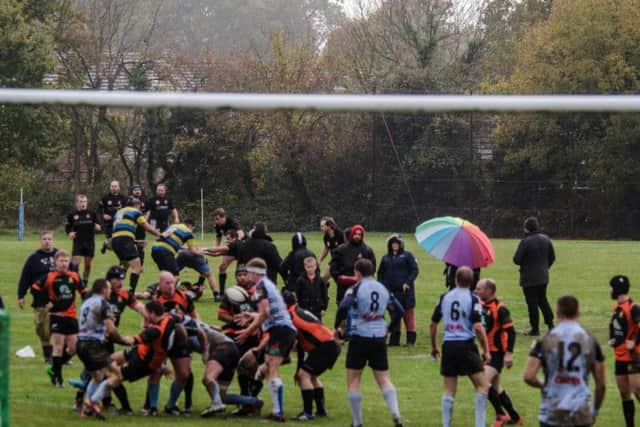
[327, 102]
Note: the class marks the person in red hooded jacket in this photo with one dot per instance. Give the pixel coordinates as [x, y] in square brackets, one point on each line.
[345, 257]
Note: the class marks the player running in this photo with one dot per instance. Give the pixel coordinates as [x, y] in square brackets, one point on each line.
[461, 313]
[624, 337]
[567, 354]
[501, 336]
[81, 226]
[364, 306]
[123, 242]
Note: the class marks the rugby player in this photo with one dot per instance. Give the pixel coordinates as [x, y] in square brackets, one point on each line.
[160, 208]
[624, 337]
[97, 323]
[322, 349]
[224, 224]
[123, 241]
[174, 238]
[81, 226]
[109, 205]
[137, 192]
[501, 336]
[567, 354]
[57, 291]
[365, 305]
[272, 317]
[332, 237]
[462, 315]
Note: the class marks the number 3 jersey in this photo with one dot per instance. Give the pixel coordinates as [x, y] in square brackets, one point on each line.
[460, 309]
[93, 312]
[567, 354]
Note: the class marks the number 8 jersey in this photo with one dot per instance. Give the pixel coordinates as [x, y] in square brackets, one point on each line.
[367, 305]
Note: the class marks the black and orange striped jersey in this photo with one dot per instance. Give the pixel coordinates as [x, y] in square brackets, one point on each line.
[311, 332]
[152, 344]
[179, 300]
[59, 289]
[497, 322]
[625, 325]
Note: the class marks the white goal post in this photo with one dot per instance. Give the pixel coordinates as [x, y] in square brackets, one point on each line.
[326, 102]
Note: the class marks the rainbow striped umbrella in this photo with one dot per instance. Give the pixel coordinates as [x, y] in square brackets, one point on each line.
[456, 241]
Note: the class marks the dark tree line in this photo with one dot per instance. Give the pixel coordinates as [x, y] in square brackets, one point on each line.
[578, 172]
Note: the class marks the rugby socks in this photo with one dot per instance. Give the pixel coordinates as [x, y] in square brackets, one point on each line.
[154, 394]
[101, 391]
[133, 282]
[307, 401]
[318, 396]
[174, 394]
[214, 392]
[123, 397]
[238, 399]
[91, 388]
[496, 401]
[243, 382]
[47, 350]
[222, 280]
[629, 411]
[480, 409]
[447, 410]
[57, 369]
[200, 281]
[255, 386]
[391, 399]
[355, 402]
[508, 405]
[65, 356]
[275, 389]
[188, 392]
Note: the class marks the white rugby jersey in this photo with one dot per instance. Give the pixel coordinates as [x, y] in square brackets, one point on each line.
[460, 309]
[93, 312]
[567, 353]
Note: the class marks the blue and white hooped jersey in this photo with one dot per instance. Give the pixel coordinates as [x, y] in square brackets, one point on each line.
[459, 309]
[279, 316]
[369, 300]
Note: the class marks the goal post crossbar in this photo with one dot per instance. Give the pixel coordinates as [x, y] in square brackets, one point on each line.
[326, 102]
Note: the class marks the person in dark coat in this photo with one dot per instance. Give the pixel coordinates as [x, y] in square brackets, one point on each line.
[535, 254]
[311, 290]
[345, 257]
[293, 265]
[398, 271]
[450, 276]
[258, 245]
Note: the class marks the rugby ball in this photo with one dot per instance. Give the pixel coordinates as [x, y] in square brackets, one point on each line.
[237, 295]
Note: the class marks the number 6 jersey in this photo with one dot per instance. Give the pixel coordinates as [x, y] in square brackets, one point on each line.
[460, 309]
[567, 354]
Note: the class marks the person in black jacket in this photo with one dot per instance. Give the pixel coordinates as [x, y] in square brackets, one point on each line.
[293, 265]
[258, 245]
[397, 272]
[345, 257]
[311, 290]
[36, 266]
[535, 254]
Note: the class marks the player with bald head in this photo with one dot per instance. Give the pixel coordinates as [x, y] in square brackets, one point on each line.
[109, 205]
[461, 312]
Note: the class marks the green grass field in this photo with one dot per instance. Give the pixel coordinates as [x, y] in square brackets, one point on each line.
[583, 269]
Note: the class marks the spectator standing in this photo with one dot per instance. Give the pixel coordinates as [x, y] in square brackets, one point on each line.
[535, 255]
[397, 272]
[292, 267]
